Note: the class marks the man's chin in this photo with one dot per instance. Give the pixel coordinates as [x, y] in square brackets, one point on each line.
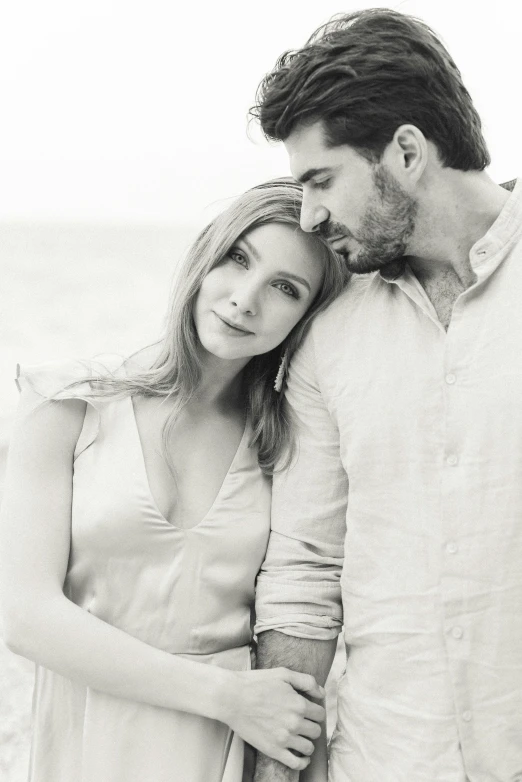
[357, 264]
[363, 263]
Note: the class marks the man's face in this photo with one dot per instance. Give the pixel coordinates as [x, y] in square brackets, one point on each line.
[357, 205]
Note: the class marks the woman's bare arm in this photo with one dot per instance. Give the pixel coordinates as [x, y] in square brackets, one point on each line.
[42, 624]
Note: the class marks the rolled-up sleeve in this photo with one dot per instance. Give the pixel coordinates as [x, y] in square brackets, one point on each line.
[298, 588]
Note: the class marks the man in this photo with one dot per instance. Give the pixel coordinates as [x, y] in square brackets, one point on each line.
[404, 499]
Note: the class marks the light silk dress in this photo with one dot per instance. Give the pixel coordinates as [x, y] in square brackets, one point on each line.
[186, 591]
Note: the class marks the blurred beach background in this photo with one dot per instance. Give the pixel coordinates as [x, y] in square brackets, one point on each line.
[73, 290]
[124, 130]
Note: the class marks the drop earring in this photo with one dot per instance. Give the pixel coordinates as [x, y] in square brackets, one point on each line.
[278, 383]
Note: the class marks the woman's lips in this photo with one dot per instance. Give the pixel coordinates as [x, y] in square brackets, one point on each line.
[233, 328]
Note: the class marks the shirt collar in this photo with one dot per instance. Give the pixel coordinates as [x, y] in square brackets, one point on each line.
[506, 228]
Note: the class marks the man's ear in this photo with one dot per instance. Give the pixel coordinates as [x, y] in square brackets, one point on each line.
[406, 156]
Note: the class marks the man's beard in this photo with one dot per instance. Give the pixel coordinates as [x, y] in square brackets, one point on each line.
[386, 226]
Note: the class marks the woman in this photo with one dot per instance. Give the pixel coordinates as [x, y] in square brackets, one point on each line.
[129, 577]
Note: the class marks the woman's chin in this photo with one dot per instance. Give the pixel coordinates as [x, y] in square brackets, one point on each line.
[226, 353]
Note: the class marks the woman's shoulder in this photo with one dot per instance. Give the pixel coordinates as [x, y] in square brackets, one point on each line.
[66, 378]
[76, 420]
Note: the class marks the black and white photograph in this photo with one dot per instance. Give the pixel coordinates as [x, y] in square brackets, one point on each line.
[260, 392]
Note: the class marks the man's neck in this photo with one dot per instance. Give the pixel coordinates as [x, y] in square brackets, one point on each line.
[452, 218]
[454, 214]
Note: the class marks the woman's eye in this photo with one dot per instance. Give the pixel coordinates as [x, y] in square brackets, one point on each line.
[237, 257]
[285, 287]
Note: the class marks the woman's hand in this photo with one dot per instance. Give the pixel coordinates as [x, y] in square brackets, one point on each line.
[265, 709]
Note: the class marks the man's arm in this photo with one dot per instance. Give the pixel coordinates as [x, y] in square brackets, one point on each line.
[307, 656]
[298, 598]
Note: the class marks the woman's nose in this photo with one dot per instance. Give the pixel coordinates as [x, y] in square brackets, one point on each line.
[245, 297]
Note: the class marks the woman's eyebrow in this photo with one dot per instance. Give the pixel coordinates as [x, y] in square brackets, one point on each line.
[251, 247]
[295, 277]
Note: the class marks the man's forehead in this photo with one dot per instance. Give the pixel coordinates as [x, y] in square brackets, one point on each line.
[306, 148]
[310, 155]
[306, 137]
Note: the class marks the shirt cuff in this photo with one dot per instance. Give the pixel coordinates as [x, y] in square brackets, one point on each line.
[299, 609]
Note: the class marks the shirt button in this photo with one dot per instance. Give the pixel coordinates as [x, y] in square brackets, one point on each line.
[452, 460]
[457, 632]
[450, 379]
[452, 547]
[466, 716]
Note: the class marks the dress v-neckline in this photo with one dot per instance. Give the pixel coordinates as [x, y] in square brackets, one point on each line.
[146, 482]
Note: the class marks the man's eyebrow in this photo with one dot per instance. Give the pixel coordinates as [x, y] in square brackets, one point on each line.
[311, 173]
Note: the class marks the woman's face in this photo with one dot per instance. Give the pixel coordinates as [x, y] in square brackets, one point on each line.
[261, 289]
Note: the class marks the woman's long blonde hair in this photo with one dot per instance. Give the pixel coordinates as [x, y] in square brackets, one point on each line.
[176, 371]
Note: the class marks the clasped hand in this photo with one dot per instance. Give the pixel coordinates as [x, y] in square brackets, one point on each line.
[267, 710]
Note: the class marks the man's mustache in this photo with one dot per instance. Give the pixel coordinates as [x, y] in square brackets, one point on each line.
[330, 230]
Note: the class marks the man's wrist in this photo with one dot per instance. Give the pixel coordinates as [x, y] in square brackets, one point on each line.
[269, 770]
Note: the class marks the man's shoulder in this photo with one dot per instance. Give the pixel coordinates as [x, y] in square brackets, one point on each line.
[348, 305]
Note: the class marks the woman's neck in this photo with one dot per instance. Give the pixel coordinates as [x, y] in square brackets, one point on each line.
[221, 383]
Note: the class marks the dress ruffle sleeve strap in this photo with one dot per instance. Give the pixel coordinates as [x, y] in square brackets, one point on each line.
[52, 380]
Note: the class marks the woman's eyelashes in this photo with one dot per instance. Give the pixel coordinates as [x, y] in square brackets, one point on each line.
[239, 257]
[288, 289]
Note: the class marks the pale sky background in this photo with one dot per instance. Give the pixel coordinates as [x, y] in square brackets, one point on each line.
[116, 110]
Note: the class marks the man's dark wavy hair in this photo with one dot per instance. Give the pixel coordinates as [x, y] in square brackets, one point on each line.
[364, 74]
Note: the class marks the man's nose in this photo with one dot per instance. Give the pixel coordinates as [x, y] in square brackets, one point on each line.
[312, 215]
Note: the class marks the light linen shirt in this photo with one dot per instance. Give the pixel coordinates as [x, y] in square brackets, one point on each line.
[426, 429]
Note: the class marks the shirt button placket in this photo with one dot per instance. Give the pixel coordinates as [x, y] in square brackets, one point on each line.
[454, 632]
